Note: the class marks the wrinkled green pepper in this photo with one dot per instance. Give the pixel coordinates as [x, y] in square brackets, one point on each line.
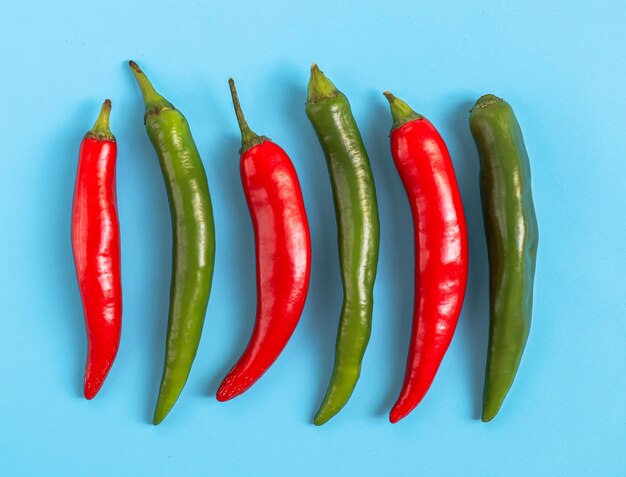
[512, 238]
[358, 230]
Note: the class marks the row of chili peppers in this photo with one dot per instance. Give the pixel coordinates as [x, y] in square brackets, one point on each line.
[283, 243]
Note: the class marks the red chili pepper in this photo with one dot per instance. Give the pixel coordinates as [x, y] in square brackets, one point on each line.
[441, 254]
[96, 247]
[283, 253]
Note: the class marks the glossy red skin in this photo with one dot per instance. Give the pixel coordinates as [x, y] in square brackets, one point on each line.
[441, 253]
[283, 261]
[96, 247]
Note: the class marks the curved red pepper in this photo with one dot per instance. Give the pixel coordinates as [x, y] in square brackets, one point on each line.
[96, 247]
[283, 255]
[441, 252]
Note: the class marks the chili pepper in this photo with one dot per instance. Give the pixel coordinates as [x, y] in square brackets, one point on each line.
[358, 230]
[193, 238]
[512, 239]
[96, 247]
[283, 253]
[441, 252]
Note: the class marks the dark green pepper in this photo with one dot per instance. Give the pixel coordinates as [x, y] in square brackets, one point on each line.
[512, 238]
[358, 227]
[193, 238]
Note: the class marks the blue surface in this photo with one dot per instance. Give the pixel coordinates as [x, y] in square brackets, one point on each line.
[560, 64]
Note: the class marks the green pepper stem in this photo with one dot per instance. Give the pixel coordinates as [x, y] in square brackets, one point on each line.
[320, 87]
[101, 130]
[401, 112]
[486, 100]
[249, 138]
[152, 99]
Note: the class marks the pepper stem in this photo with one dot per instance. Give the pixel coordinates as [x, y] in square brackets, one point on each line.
[101, 130]
[486, 100]
[152, 99]
[320, 87]
[249, 138]
[401, 112]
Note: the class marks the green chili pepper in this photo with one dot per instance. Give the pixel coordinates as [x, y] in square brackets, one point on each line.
[512, 238]
[193, 238]
[356, 209]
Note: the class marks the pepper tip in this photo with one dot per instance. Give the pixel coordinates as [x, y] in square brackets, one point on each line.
[487, 417]
[134, 66]
[397, 414]
[230, 388]
[222, 394]
[323, 416]
[159, 415]
[91, 388]
[89, 394]
[318, 421]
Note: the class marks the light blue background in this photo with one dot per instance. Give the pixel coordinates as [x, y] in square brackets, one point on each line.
[560, 64]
